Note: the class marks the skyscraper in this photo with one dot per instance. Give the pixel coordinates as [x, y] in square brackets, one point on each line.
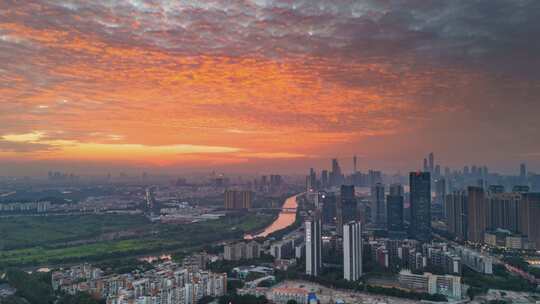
[476, 214]
[346, 209]
[329, 203]
[312, 180]
[324, 178]
[378, 206]
[394, 203]
[336, 177]
[352, 251]
[420, 196]
[313, 246]
[437, 171]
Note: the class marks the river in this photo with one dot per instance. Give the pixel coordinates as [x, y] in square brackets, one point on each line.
[286, 217]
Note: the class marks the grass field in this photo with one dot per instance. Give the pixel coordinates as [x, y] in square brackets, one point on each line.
[22, 232]
[44, 238]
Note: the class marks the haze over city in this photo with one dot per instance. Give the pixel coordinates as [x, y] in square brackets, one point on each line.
[254, 86]
[269, 151]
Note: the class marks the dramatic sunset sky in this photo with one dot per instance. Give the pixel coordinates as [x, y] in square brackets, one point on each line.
[263, 85]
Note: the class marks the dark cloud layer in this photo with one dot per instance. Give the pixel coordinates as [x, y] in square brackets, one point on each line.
[328, 72]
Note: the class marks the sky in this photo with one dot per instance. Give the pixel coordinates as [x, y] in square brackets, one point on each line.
[262, 85]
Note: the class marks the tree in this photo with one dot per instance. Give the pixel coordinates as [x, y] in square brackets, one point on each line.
[36, 288]
[292, 302]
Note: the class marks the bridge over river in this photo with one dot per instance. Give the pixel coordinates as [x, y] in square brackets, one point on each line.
[286, 217]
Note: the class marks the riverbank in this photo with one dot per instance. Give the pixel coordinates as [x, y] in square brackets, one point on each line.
[286, 218]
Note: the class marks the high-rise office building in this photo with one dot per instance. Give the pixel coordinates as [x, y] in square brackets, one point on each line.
[346, 208]
[476, 214]
[394, 205]
[313, 246]
[431, 163]
[420, 197]
[378, 206]
[354, 164]
[352, 251]
[329, 205]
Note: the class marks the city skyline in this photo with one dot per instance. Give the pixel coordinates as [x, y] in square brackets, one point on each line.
[269, 151]
[247, 86]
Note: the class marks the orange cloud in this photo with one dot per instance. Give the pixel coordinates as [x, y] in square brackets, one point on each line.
[82, 95]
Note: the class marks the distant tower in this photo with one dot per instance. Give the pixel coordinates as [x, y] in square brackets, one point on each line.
[312, 180]
[523, 172]
[352, 251]
[431, 162]
[354, 164]
[426, 168]
[313, 246]
[324, 178]
[336, 177]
